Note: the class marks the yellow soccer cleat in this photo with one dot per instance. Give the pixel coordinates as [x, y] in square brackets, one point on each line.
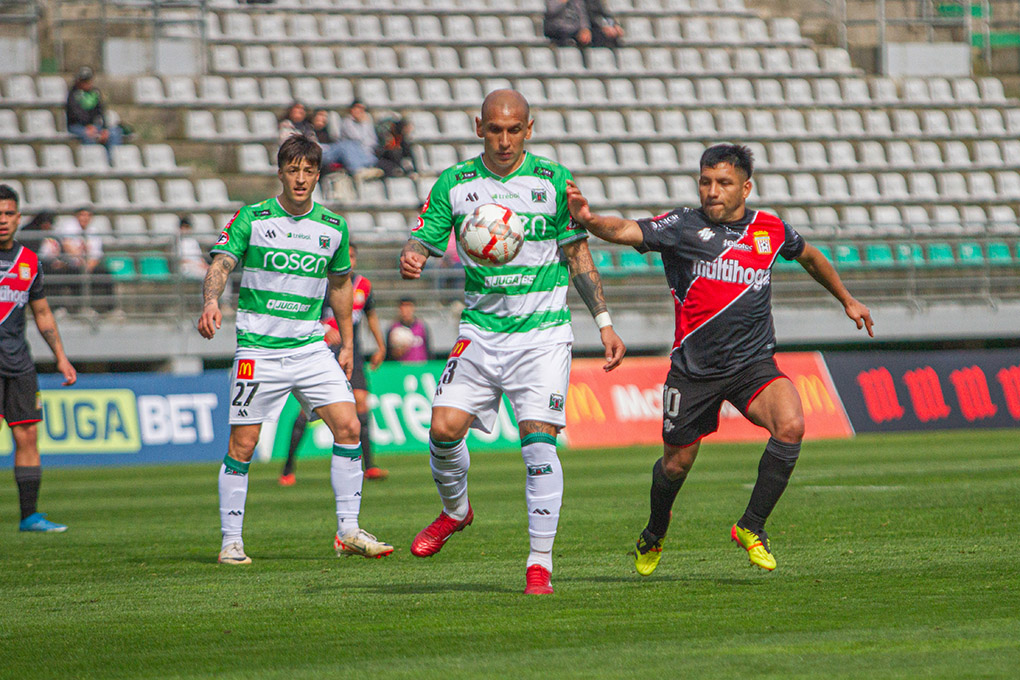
[646, 553]
[757, 546]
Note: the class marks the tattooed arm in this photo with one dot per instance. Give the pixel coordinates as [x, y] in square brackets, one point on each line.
[588, 284]
[47, 326]
[412, 259]
[212, 287]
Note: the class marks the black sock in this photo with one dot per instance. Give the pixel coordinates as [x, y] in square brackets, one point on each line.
[300, 425]
[366, 441]
[774, 472]
[28, 478]
[664, 491]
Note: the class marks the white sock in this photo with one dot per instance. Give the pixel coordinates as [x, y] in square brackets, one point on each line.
[544, 494]
[346, 475]
[233, 492]
[450, 462]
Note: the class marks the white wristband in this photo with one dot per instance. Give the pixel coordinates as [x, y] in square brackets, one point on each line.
[602, 319]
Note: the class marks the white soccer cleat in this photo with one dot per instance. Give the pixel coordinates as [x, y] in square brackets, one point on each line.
[361, 543]
[234, 554]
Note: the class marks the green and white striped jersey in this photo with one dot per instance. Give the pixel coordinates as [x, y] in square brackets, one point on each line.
[522, 304]
[286, 260]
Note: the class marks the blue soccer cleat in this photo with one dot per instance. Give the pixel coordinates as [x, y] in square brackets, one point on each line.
[37, 522]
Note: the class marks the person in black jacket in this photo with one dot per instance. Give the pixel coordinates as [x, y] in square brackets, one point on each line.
[86, 118]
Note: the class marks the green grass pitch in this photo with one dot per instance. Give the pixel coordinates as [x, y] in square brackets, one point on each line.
[897, 555]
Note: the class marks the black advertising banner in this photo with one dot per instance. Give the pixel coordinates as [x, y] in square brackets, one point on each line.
[896, 391]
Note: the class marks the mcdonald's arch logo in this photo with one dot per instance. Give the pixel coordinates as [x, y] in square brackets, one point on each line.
[880, 395]
[1009, 378]
[814, 395]
[926, 394]
[459, 348]
[583, 405]
[972, 393]
[245, 369]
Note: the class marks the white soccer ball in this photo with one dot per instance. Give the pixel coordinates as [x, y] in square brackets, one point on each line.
[401, 339]
[492, 235]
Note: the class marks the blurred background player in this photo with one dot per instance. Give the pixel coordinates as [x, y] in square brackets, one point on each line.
[515, 337]
[19, 385]
[294, 254]
[363, 308]
[718, 261]
[407, 338]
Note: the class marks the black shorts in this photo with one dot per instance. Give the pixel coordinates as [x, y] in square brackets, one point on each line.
[19, 398]
[690, 408]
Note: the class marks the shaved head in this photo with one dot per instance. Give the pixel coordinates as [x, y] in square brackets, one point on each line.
[507, 102]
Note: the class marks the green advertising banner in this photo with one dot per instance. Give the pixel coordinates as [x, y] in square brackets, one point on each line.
[401, 401]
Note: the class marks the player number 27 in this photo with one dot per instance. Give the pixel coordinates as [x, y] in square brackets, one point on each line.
[241, 387]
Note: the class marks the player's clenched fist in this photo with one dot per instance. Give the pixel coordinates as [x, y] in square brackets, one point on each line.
[210, 320]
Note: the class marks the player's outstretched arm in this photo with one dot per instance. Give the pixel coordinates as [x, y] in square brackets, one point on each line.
[340, 296]
[606, 227]
[47, 325]
[212, 288]
[412, 259]
[822, 271]
[589, 286]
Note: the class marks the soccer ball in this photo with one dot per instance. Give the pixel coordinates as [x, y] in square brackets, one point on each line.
[401, 339]
[492, 234]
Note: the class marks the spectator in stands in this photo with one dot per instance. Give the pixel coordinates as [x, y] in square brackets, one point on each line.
[190, 259]
[359, 142]
[295, 122]
[331, 152]
[407, 339]
[86, 117]
[585, 23]
[395, 157]
[85, 251]
[61, 272]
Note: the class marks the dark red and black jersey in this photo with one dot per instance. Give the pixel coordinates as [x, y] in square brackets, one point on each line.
[363, 302]
[21, 282]
[720, 276]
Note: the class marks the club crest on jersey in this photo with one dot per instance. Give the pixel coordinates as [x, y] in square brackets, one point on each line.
[224, 239]
[245, 369]
[324, 242]
[24, 271]
[706, 234]
[555, 402]
[459, 348]
[762, 243]
[538, 195]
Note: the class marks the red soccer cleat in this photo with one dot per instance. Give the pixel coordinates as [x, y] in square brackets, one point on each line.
[537, 578]
[376, 473]
[430, 540]
[287, 480]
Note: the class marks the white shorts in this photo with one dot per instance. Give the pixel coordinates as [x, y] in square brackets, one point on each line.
[535, 380]
[259, 387]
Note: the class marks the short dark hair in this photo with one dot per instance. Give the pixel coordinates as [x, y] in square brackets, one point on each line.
[298, 147]
[8, 194]
[736, 155]
[407, 301]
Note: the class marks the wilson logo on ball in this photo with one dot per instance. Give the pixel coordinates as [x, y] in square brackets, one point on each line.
[493, 234]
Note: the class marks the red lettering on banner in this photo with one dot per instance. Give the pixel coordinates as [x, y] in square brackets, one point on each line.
[880, 395]
[926, 394]
[972, 393]
[1009, 378]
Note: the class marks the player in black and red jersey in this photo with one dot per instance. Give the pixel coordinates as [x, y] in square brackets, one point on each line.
[22, 284]
[718, 261]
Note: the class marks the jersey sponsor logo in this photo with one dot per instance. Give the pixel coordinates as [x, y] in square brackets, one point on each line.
[556, 401]
[736, 245]
[470, 174]
[664, 220]
[706, 234]
[539, 195]
[298, 235]
[508, 196]
[262, 213]
[18, 297]
[245, 369]
[544, 172]
[539, 470]
[287, 306]
[762, 243]
[284, 261]
[459, 347]
[224, 238]
[332, 220]
[24, 271]
[359, 297]
[730, 271]
[507, 280]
